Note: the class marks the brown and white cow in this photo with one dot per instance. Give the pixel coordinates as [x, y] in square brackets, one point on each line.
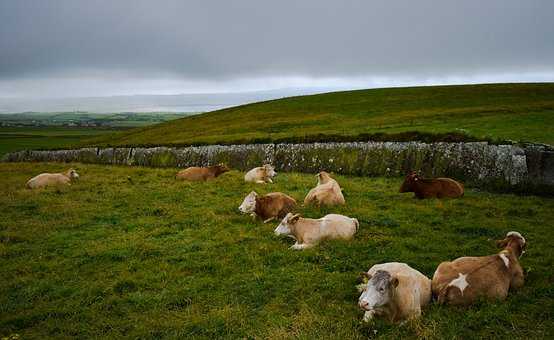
[327, 191]
[394, 291]
[431, 187]
[202, 173]
[47, 179]
[262, 174]
[308, 232]
[466, 279]
[267, 207]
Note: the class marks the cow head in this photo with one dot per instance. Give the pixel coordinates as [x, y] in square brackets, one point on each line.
[515, 241]
[269, 170]
[379, 290]
[72, 174]
[221, 168]
[409, 181]
[286, 226]
[323, 177]
[249, 203]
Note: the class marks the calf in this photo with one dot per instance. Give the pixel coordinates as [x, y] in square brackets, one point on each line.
[308, 232]
[46, 179]
[327, 191]
[395, 291]
[466, 279]
[267, 207]
[261, 174]
[431, 187]
[202, 174]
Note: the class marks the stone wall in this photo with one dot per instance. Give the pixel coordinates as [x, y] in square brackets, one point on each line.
[507, 166]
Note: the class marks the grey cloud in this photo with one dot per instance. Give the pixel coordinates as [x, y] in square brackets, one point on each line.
[211, 40]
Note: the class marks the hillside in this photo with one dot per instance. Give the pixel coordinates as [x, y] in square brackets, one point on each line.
[523, 112]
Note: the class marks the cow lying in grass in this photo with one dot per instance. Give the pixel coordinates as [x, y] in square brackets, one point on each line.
[308, 232]
[261, 174]
[395, 291]
[267, 207]
[432, 187]
[327, 191]
[202, 174]
[46, 179]
[466, 279]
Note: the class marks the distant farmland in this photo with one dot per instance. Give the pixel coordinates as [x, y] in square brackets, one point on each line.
[67, 129]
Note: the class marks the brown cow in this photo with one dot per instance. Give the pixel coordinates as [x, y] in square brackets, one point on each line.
[202, 174]
[466, 279]
[267, 207]
[432, 187]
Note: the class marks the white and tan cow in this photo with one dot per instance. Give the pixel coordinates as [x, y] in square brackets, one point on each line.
[308, 232]
[327, 191]
[394, 291]
[48, 179]
[466, 279]
[262, 174]
[269, 206]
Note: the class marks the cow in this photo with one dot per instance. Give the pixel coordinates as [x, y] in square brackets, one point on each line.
[267, 207]
[467, 279]
[308, 232]
[262, 174]
[327, 192]
[202, 173]
[431, 187]
[47, 179]
[394, 291]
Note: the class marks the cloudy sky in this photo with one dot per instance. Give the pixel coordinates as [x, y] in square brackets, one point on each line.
[68, 48]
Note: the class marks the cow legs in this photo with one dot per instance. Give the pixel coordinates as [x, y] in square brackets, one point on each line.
[298, 246]
[269, 180]
[368, 315]
[260, 182]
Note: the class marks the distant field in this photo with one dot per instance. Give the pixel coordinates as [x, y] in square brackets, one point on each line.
[522, 112]
[19, 138]
[154, 258]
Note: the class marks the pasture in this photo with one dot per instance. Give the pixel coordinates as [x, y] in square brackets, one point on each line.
[33, 138]
[153, 257]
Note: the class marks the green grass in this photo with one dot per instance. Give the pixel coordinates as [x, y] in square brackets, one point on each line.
[160, 258]
[21, 138]
[522, 112]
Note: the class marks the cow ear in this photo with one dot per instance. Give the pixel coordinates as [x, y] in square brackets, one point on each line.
[502, 243]
[394, 282]
[363, 277]
[294, 218]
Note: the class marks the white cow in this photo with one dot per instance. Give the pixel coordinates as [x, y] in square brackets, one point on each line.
[47, 179]
[308, 232]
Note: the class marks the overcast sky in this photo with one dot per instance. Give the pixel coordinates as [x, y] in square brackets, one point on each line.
[58, 48]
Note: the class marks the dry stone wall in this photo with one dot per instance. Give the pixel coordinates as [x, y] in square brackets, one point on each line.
[507, 166]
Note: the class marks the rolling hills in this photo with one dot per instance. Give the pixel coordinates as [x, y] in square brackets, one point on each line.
[522, 112]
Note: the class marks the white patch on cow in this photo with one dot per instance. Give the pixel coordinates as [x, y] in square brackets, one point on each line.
[516, 234]
[505, 259]
[249, 203]
[283, 227]
[460, 282]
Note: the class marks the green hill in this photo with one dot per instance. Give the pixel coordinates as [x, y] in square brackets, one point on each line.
[523, 112]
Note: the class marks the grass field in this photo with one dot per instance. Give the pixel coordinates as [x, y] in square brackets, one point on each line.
[20, 138]
[160, 258]
[522, 112]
